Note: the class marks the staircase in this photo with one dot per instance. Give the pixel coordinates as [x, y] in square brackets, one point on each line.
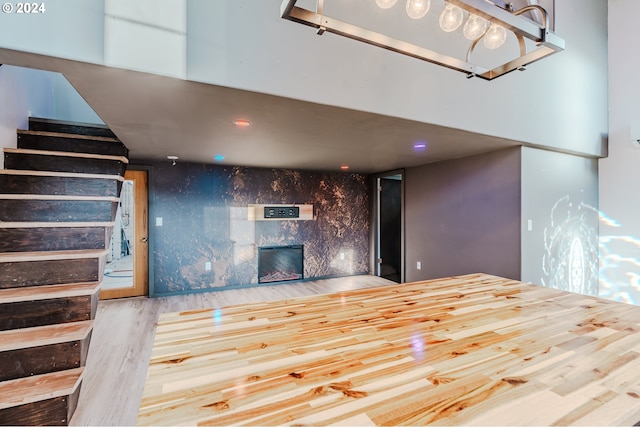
[59, 193]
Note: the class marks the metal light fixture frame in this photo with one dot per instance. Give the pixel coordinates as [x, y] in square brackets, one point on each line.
[547, 42]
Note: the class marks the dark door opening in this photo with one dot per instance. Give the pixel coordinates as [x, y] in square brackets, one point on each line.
[389, 227]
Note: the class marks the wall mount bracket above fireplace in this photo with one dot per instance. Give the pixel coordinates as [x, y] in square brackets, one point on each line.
[280, 212]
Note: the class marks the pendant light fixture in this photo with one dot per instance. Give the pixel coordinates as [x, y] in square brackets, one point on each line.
[416, 9]
[489, 21]
[495, 37]
[385, 4]
[475, 27]
[451, 18]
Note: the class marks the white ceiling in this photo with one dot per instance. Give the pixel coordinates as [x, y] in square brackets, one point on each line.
[157, 116]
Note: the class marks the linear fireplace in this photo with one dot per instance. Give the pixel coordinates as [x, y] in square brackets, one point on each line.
[280, 263]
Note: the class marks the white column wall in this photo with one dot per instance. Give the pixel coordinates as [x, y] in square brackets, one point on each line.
[620, 172]
[72, 29]
[559, 221]
[147, 35]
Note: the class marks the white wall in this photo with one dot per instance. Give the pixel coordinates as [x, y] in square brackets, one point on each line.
[559, 221]
[67, 102]
[24, 93]
[72, 29]
[141, 35]
[559, 102]
[620, 172]
[147, 35]
[33, 93]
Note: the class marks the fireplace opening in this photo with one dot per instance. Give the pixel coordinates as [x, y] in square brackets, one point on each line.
[280, 263]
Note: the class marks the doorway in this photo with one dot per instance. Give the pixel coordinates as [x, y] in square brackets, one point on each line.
[126, 273]
[389, 226]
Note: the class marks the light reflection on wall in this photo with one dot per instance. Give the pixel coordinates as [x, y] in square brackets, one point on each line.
[619, 275]
[242, 232]
[570, 262]
[344, 261]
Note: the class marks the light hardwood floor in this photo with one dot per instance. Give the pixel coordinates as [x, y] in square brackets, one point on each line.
[124, 333]
[466, 350]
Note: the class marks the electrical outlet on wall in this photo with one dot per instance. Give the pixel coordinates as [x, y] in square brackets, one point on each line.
[419, 265]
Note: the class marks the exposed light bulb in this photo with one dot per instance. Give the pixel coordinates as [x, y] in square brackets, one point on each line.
[451, 18]
[386, 4]
[474, 27]
[495, 37]
[416, 9]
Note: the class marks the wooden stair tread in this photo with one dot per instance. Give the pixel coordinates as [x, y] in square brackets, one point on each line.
[52, 255]
[39, 387]
[36, 293]
[57, 197]
[59, 174]
[67, 135]
[69, 123]
[54, 224]
[37, 336]
[66, 154]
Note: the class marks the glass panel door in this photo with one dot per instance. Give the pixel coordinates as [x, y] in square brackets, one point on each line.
[126, 271]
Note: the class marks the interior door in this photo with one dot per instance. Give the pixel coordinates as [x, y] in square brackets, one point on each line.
[126, 273]
[389, 246]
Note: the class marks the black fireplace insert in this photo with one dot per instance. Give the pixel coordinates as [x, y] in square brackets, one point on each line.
[280, 263]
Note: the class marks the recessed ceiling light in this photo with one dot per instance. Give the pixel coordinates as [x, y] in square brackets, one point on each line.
[242, 123]
[219, 157]
[420, 146]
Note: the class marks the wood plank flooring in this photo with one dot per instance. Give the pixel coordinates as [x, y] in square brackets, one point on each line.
[124, 331]
[468, 350]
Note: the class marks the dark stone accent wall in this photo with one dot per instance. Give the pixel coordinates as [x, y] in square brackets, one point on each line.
[205, 207]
